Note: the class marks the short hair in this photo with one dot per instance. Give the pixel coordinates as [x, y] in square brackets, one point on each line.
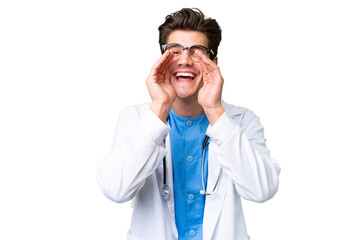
[191, 19]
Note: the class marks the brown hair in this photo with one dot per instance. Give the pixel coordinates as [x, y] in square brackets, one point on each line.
[194, 20]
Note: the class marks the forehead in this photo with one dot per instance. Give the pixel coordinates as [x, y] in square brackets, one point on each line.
[188, 38]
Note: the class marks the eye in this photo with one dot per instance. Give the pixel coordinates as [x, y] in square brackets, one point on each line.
[175, 49]
[199, 48]
[192, 51]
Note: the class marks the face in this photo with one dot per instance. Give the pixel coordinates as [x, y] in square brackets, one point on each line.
[186, 75]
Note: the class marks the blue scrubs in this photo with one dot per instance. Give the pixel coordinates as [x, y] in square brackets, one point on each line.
[187, 136]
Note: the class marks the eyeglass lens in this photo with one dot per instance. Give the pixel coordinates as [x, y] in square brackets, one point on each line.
[177, 50]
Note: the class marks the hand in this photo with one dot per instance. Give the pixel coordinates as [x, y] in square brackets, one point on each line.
[161, 91]
[209, 96]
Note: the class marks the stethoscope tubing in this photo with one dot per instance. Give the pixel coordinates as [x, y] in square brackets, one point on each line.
[166, 188]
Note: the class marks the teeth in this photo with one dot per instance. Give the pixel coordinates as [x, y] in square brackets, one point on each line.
[185, 75]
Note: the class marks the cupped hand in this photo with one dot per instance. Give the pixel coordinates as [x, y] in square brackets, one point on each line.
[161, 91]
[209, 96]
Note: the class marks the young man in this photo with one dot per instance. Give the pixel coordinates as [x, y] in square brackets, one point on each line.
[187, 157]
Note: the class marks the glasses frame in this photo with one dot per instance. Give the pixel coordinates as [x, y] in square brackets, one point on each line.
[208, 50]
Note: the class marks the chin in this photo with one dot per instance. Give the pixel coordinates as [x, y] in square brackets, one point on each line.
[186, 94]
[186, 90]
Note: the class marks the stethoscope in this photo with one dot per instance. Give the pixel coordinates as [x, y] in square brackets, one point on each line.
[166, 188]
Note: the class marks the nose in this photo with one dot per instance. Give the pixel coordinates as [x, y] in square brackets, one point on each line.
[185, 58]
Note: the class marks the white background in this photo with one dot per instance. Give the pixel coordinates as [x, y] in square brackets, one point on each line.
[67, 68]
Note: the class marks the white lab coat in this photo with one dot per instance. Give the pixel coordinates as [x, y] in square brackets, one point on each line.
[134, 170]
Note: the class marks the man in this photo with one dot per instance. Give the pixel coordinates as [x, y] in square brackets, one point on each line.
[185, 185]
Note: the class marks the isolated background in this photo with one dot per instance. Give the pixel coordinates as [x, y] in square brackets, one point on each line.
[67, 68]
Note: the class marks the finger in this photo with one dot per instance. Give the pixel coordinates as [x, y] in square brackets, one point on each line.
[159, 63]
[165, 66]
[165, 62]
[204, 58]
[167, 77]
[204, 67]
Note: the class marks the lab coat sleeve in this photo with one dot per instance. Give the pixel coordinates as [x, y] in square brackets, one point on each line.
[244, 157]
[137, 150]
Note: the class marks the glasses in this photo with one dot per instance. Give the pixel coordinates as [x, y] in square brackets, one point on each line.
[177, 49]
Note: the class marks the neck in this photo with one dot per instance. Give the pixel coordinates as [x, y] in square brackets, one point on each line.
[187, 108]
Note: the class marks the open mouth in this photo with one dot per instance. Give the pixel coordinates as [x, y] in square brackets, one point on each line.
[188, 76]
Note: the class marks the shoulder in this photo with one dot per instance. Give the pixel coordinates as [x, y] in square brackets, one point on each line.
[242, 116]
[131, 115]
[237, 111]
[134, 111]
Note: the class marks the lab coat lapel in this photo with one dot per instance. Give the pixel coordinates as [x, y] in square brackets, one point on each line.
[214, 202]
[170, 180]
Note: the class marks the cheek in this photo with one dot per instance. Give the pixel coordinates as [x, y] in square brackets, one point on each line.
[172, 67]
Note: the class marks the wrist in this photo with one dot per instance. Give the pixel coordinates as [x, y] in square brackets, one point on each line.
[214, 113]
[161, 110]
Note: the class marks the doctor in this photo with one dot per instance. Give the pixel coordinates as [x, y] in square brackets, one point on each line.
[187, 158]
